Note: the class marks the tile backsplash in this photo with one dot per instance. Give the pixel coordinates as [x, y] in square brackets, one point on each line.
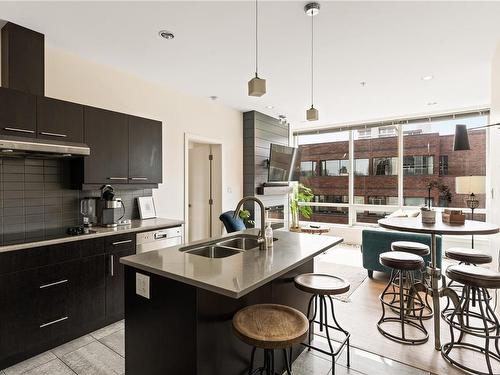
[35, 201]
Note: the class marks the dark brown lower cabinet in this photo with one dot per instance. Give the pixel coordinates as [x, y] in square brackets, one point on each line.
[115, 309]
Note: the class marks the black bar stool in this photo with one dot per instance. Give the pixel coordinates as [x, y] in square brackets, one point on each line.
[423, 250]
[406, 302]
[468, 257]
[270, 327]
[322, 287]
[476, 281]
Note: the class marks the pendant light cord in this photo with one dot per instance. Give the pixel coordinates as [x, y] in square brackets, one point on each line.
[256, 37]
[312, 59]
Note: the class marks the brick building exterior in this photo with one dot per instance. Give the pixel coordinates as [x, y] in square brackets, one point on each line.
[427, 158]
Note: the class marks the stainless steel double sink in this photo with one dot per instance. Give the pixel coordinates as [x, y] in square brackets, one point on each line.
[224, 247]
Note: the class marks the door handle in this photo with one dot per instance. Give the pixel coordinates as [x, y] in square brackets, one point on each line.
[54, 134]
[121, 242]
[19, 130]
[118, 178]
[53, 284]
[112, 265]
[53, 322]
[139, 178]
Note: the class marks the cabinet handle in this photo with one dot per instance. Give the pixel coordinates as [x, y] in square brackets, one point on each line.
[121, 242]
[54, 134]
[53, 322]
[53, 284]
[112, 265]
[19, 130]
[118, 178]
[139, 178]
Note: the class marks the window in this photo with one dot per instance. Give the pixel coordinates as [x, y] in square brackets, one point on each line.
[361, 167]
[364, 134]
[331, 198]
[426, 156]
[388, 131]
[308, 168]
[443, 165]
[334, 167]
[389, 201]
[385, 166]
[422, 140]
[418, 165]
[416, 201]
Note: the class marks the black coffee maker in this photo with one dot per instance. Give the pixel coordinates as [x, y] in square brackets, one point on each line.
[110, 209]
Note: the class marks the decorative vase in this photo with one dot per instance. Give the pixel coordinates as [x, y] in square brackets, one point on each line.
[295, 220]
[428, 216]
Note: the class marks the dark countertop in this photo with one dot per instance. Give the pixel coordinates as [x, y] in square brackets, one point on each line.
[239, 274]
[135, 226]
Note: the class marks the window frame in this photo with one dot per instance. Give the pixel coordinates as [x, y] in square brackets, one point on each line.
[353, 207]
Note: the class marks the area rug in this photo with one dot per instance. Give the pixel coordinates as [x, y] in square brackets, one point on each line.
[355, 276]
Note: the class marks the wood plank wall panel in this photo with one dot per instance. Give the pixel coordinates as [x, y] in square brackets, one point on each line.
[259, 131]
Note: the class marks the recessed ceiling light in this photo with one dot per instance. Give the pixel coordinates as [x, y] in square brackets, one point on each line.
[432, 103]
[166, 34]
[427, 78]
[269, 106]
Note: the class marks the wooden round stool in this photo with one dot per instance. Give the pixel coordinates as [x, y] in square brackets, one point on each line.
[465, 256]
[322, 287]
[476, 281]
[418, 276]
[270, 327]
[406, 302]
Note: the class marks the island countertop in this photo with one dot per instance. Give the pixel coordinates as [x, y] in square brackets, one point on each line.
[239, 274]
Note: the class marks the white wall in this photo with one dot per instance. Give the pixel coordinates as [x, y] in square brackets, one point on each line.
[73, 78]
[494, 159]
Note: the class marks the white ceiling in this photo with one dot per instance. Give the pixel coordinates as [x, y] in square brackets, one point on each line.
[390, 45]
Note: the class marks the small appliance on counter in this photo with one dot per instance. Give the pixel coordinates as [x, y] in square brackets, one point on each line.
[110, 209]
[88, 209]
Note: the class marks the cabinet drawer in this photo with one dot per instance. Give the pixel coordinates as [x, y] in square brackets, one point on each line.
[122, 242]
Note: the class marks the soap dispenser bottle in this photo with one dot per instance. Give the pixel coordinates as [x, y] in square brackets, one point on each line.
[268, 233]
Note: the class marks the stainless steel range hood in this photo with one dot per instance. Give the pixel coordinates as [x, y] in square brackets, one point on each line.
[25, 147]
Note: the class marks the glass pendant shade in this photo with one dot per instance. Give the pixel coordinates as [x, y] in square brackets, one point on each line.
[461, 141]
[312, 114]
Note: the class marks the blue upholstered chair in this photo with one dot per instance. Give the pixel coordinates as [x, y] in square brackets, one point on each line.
[232, 224]
[376, 242]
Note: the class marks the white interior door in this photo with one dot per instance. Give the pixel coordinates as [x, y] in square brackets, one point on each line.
[199, 192]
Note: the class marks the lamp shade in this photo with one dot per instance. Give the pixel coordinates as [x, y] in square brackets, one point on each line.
[461, 141]
[470, 185]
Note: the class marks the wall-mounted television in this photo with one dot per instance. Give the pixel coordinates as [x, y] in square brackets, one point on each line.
[284, 163]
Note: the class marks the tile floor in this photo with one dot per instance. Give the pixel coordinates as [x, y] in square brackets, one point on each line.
[102, 353]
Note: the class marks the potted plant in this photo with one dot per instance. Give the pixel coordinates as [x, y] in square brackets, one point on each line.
[300, 194]
[245, 216]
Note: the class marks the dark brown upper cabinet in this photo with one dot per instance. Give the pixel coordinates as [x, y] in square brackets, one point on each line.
[23, 59]
[17, 113]
[106, 133]
[145, 151]
[59, 120]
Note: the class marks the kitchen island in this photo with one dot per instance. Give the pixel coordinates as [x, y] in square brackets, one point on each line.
[181, 322]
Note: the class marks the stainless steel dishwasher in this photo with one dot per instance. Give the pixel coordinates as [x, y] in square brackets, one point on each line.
[158, 239]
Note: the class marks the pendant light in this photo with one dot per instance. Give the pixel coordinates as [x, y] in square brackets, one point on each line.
[256, 86]
[312, 9]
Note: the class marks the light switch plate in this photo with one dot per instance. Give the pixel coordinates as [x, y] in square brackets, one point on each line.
[142, 285]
